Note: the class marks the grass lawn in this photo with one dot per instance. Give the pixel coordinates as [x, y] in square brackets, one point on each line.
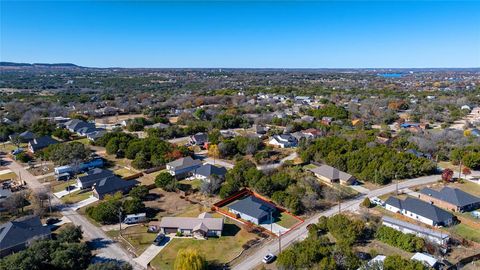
[309, 167]
[216, 250]
[287, 221]
[76, 196]
[193, 184]
[8, 147]
[137, 236]
[61, 185]
[466, 232]
[124, 172]
[85, 141]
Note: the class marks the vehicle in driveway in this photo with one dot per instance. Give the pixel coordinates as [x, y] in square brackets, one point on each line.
[159, 239]
[377, 201]
[269, 258]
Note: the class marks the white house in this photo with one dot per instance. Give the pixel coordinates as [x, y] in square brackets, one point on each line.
[283, 141]
[419, 210]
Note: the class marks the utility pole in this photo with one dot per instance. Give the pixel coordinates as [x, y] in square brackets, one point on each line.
[279, 242]
[460, 170]
[120, 220]
[396, 184]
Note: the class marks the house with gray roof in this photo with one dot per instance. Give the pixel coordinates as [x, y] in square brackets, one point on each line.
[200, 227]
[330, 175]
[437, 237]
[17, 235]
[419, 210]
[111, 185]
[453, 199]
[183, 167]
[40, 143]
[23, 137]
[283, 141]
[206, 171]
[253, 209]
[92, 177]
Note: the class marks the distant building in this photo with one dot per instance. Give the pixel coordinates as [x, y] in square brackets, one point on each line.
[183, 167]
[427, 259]
[199, 139]
[17, 235]
[437, 237]
[40, 143]
[24, 136]
[283, 141]
[206, 172]
[453, 199]
[330, 175]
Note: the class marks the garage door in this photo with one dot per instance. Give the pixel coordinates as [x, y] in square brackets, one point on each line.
[170, 230]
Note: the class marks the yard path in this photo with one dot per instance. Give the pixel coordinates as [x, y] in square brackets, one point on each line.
[149, 254]
[106, 248]
[301, 232]
[267, 167]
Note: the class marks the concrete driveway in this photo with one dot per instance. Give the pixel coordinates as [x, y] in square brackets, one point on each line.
[81, 204]
[147, 256]
[64, 193]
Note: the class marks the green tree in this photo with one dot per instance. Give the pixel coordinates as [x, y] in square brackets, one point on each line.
[190, 259]
[166, 181]
[70, 234]
[110, 266]
[140, 192]
[133, 206]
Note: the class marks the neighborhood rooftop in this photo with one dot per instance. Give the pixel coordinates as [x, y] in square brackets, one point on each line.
[454, 196]
[421, 208]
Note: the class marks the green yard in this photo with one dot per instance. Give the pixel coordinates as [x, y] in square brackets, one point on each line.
[286, 220]
[216, 250]
[60, 185]
[466, 232]
[137, 236]
[124, 172]
[76, 196]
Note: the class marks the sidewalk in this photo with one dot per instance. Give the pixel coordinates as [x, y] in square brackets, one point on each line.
[76, 206]
[147, 256]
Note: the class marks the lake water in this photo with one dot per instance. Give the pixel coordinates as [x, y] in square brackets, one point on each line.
[390, 75]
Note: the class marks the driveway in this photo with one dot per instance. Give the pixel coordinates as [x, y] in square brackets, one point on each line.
[81, 204]
[274, 228]
[147, 256]
[63, 193]
[219, 162]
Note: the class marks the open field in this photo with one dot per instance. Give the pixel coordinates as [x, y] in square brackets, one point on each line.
[124, 172]
[217, 251]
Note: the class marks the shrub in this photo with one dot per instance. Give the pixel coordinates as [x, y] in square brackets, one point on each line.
[407, 242]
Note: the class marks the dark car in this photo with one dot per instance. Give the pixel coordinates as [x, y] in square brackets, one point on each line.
[52, 220]
[159, 239]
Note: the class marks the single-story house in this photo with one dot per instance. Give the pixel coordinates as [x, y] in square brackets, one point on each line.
[92, 177]
[98, 133]
[253, 209]
[453, 199]
[283, 141]
[259, 129]
[111, 185]
[206, 171]
[330, 175]
[437, 237]
[419, 210]
[199, 139]
[23, 137]
[200, 227]
[40, 143]
[5, 193]
[183, 167]
[17, 235]
[75, 125]
[427, 259]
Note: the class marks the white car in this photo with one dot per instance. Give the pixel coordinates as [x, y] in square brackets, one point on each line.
[268, 258]
[377, 201]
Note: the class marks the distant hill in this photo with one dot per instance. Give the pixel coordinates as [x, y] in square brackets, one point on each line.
[46, 65]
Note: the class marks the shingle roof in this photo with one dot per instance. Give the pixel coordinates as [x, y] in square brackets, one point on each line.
[185, 162]
[253, 207]
[331, 173]
[420, 208]
[42, 142]
[21, 230]
[113, 184]
[208, 170]
[94, 176]
[452, 195]
[203, 222]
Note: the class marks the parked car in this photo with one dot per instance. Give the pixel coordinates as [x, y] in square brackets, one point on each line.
[269, 258]
[158, 240]
[377, 201]
[17, 151]
[68, 188]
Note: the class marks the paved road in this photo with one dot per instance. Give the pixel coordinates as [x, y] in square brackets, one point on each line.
[267, 167]
[301, 232]
[105, 247]
[220, 162]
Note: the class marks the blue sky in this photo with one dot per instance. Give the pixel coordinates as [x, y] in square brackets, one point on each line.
[242, 33]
